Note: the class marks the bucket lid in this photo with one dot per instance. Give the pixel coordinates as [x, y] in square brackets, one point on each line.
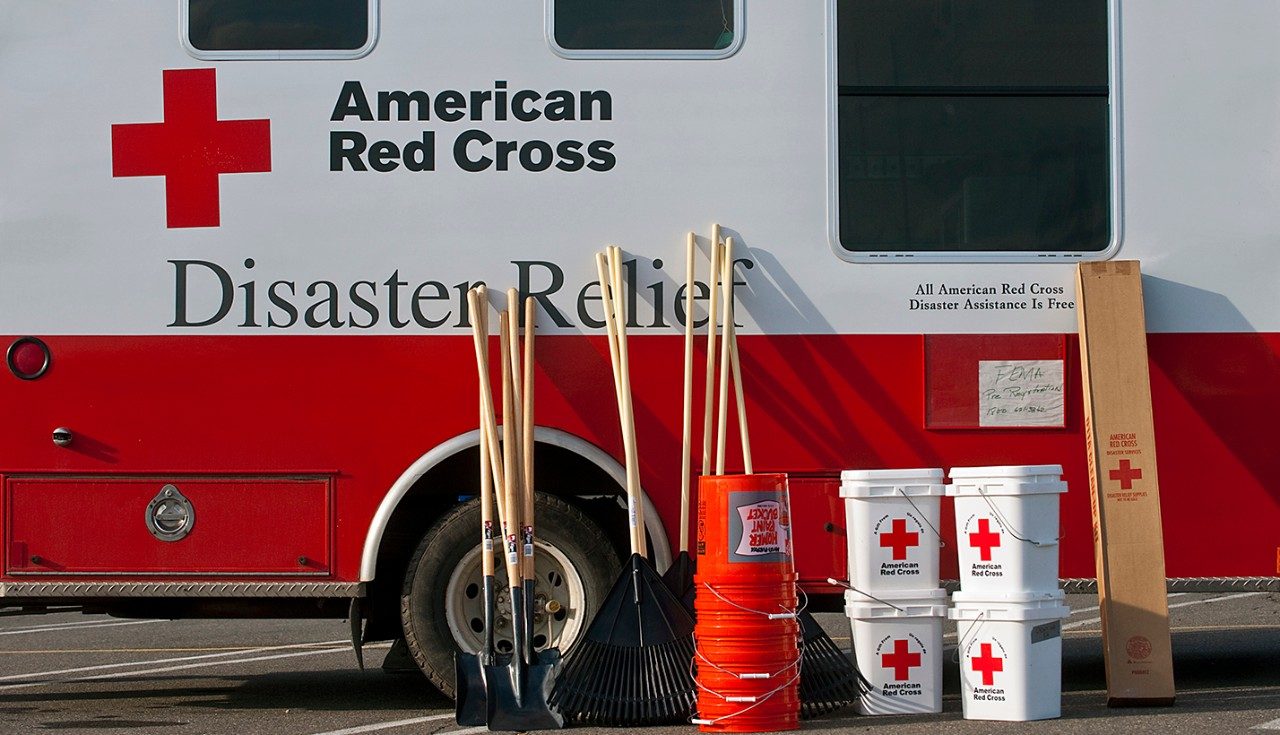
[1014, 472]
[932, 474]
[1033, 479]
[899, 604]
[996, 487]
[1056, 597]
[897, 597]
[1012, 607]
[888, 483]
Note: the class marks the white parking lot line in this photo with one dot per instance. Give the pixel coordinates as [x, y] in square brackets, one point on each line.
[1091, 608]
[375, 727]
[1217, 599]
[82, 620]
[398, 723]
[86, 625]
[152, 662]
[204, 664]
[1273, 725]
[1207, 600]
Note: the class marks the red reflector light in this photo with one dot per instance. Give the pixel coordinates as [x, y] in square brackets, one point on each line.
[28, 358]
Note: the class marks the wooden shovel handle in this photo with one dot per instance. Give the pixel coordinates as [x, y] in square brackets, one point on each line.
[510, 473]
[513, 356]
[526, 433]
[489, 466]
[486, 477]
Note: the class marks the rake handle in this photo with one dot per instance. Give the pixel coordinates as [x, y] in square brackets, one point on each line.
[723, 409]
[629, 420]
[608, 299]
[731, 336]
[686, 446]
[713, 287]
[606, 302]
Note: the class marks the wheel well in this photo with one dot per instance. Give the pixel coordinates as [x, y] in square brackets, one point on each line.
[558, 471]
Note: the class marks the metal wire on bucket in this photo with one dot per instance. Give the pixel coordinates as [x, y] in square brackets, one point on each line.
[751, 702]
[786, 615]
[1007, 526]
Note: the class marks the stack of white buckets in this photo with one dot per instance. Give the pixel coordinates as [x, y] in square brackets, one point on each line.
[896, 606]
[1008, 610]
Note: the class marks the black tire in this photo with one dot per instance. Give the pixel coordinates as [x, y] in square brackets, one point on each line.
[422, 597]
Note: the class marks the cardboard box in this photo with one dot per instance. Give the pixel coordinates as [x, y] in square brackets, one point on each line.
[1124, 484]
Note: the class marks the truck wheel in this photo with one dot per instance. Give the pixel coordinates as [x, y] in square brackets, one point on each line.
[441, 605]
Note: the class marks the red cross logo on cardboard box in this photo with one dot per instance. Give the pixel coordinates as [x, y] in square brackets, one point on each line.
[899, 539]
[191, 148]
[984, 540]
[987, 664]
[901, 660]
[1126, 475]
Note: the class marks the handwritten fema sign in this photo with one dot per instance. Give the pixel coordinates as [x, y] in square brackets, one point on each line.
[1020, 393]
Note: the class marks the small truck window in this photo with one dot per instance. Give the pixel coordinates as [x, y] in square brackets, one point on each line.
[220, 29]
[644, 28]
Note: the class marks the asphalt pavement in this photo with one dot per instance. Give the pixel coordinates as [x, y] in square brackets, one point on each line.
[67, 672]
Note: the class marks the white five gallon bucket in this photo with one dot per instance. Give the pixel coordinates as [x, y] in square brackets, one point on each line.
[892, 528]
[1007, 527]
[898, 645]
[1010, 653]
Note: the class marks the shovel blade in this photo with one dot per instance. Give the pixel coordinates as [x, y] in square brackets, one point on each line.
[471, 707]
[518, 692]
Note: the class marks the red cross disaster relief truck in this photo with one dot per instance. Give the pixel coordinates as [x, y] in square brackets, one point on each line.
[236, 240]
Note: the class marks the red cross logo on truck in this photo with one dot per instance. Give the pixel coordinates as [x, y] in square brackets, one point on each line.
[987, 664]
[901, 660]
[899, 539]
[1126, 474]
[191, 148]
[984, 540]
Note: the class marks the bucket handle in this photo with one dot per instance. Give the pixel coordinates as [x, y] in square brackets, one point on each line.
[846, 585]
[785, 615]
[751, 702]
[744, 675]
[942, 544]
[955, 656]
[1009, 526]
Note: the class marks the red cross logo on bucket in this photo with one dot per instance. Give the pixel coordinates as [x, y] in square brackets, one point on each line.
[984, 539]
[191, 148]
[901, 660]
[987, 664]
[899, 539]
[1126, 474]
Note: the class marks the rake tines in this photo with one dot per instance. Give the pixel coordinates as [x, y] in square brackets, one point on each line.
[631, 667]
[829, 680]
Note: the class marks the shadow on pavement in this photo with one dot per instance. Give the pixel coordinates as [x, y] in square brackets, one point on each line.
[317, 691]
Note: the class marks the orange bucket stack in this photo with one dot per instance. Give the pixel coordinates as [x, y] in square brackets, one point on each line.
[748, 652]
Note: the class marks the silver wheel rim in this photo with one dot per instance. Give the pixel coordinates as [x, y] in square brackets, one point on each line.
[558, 585]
